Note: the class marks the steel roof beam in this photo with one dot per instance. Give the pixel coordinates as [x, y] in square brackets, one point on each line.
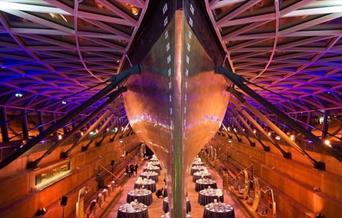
[240, 82]
[115, 81]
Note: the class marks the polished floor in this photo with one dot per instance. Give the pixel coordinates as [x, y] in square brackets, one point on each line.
[155, 209]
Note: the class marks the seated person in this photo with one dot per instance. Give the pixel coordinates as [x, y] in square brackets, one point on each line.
[159, 193]
[165, 191]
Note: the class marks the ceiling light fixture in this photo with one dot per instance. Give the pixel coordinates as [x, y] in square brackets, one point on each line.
[18, 95]
[327, 142]
[6, 5]
[135, 11]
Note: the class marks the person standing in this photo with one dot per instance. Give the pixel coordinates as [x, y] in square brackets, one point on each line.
[135, 169]
[127, 171]
[131, 168]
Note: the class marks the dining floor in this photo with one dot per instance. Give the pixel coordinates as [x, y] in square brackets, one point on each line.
[155, 210]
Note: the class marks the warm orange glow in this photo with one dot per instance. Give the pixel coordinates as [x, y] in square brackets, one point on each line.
[135, 11]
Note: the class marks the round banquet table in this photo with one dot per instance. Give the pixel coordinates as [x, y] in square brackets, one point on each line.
[141, 195]
[152, 168]
[207, 196]
[138, 210]
[166, 205]
[200, 174]
[195, 169]
[150, 175]
[146, 184]
[205, 183]
[218, 210]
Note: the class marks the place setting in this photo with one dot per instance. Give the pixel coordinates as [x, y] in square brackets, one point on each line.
[200, 175]
[133, 209]
[145, 183]
[218, 210]
[141, 195]
[204, 183]
[210, 195]
[150, 175]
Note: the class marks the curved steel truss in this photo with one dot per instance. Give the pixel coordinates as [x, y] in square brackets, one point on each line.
[292, 48]
[52, 49]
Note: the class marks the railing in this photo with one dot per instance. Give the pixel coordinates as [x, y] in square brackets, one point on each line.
[257, 197]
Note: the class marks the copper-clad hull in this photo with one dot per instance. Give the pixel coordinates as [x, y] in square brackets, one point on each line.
[176, 105]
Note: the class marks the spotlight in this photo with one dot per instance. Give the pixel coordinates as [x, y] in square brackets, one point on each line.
[254, 131]
[277, 138]
[18, 95]
[60, 137]
[41, 212]
[64, 102]
[82, 133]
[327, 143]
[134, 11]
[121, 141]
[292, 137]
[321, 120]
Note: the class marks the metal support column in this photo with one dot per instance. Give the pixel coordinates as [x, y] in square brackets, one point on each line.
[40, 121]
[24, 125]
[115, 81]
[251, 143]
[234, 132]
[285, 154]
[325, 124]
[240, 82]
[308, 119]
[35, 163]
[4, 124]
[243, 121]
[90, 128]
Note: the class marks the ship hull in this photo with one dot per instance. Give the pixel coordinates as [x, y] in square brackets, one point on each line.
[177, 103]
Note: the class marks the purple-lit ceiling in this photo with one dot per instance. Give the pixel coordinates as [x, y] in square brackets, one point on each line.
[292, 48]
[52, 49]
